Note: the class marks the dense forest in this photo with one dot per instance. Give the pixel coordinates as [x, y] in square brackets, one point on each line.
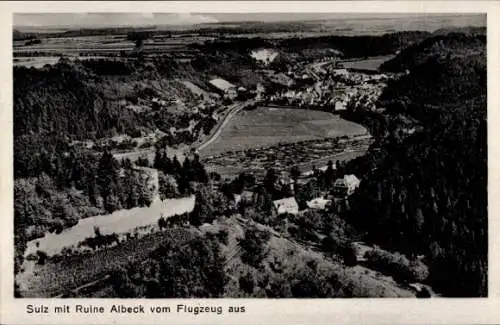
[348, 46]
[426, 193]
[450, 44]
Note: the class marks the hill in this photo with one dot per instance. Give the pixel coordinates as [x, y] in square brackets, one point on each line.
[441, 45]
[426, 193]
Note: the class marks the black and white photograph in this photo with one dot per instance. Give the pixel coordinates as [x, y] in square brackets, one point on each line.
[249, 155]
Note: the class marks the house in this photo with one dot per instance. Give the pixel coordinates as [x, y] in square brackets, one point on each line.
[282, 79]
[361, 249]
[246, 197]
[287, 205]
[341, 72]
[345, 186]
[225, 87]
[318, 203]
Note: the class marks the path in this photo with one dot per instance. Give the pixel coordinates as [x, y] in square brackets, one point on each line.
[215, 133]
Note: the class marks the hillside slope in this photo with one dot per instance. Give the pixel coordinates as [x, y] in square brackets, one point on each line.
[450, 44]
[429, 194]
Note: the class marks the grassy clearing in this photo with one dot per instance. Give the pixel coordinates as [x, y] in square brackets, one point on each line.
[266, 126]
[287, 262]
[372, 64]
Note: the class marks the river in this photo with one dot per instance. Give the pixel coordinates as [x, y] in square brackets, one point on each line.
[119, 222]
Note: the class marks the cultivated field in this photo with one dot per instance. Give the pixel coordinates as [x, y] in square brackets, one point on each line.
[267, 126]
[53, 279]
[304, 155]
[97, 44]
[41, 61]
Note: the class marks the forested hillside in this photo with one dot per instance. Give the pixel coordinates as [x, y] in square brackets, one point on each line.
[426, 193]
[56, 183]
[347, 46]
[454, 44]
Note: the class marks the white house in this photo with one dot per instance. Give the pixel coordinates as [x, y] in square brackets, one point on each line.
[225, 87]
[346, 186]
[318, 203]
[286, 205]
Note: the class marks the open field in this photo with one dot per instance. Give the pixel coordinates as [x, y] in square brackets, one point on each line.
[267, 126]
[99, 44]
[370, 64]
[40, 61]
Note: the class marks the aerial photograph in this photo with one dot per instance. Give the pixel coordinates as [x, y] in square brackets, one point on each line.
[250, 155]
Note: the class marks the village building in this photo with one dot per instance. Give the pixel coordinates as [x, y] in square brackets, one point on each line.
[245, 198]
[360, 250]
[225, 87]
[319, 203]
[341, 72]
[345, 186]
[282, 79]
[286, 205]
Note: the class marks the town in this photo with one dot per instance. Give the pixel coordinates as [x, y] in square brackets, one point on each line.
[247, 161]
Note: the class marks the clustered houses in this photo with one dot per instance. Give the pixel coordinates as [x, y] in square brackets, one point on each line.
[335, 199]
[343, 187]
[337, 89]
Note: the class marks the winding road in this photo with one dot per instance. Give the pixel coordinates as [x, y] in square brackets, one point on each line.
[215, 133]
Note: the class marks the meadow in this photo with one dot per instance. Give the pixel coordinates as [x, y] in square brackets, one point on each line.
[369, 64]
[266, 126]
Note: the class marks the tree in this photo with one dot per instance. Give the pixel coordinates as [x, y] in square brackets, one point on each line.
[329, 245]
[208, 205]
[253, 246]
[143, 161]
[200, 174]
[17, 290]
[189, 270]
[264, 201]
[122, 285]
[295, 172]
[350, 255]
[162, 223]
[176, 166]
[168, 187]
[159, 159]
[305, 193]
[42, 257]
[306, 289]
[270, 181]
[247, 283]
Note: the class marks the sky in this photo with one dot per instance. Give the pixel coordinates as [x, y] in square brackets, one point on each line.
[144, 19]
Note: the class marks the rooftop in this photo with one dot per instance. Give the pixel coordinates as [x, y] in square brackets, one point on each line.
[221, 84]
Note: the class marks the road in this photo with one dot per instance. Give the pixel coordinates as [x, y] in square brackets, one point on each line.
[214, 134]
[197, 145]
[313, 66]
